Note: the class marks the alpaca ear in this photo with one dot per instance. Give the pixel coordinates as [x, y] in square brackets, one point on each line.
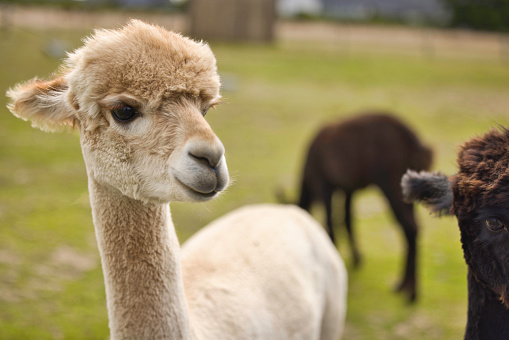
[47, 104]
[432, 189]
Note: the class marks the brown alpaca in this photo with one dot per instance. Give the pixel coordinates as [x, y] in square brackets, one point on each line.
[478, 195]
[371, 148]
[138, 97]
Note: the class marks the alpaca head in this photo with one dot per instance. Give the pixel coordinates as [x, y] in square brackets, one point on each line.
[138, 97]
[478, 195]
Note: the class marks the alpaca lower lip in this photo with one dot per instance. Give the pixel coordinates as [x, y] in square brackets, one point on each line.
[205, 194]
[201, 194]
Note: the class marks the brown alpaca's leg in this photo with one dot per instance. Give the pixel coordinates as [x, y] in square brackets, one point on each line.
[305, 198]
[326, 196]
[405, 215]
[348, 223]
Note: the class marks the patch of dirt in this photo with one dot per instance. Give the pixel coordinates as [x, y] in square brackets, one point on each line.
[9, 258]
[71, 260]
[52, 17]
[64, 264]
[417, 324]
[428, 42]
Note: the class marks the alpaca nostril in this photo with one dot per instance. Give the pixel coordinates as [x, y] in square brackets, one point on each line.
[204, 160]
[205, 153]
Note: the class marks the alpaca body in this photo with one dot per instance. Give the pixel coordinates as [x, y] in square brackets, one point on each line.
[225, 269]
[373, 148]
[478, 196]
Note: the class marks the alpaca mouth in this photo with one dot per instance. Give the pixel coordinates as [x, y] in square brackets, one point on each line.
[195, 193]
[206, 195]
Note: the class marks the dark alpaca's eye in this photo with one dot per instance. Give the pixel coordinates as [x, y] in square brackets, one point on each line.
[124, 114]
[494, 224]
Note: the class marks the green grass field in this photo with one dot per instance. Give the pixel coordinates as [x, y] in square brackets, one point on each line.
[276, 97]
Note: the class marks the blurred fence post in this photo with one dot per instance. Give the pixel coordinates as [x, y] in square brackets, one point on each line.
[233, 20]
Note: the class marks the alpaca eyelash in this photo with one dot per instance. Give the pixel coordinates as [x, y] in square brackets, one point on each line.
[216, 103]
[120, 106]
[211, 106]
[116, 107]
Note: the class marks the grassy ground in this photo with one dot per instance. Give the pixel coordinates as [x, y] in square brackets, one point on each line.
[51, 286]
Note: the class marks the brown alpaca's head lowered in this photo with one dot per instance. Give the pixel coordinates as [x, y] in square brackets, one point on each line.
[138, 97]
[478, 195]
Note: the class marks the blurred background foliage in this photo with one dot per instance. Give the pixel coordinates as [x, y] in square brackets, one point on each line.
[492, 15]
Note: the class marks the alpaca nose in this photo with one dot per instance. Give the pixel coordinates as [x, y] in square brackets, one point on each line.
[209, 154]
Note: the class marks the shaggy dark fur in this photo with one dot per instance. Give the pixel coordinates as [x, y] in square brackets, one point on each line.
[373, 148]
[480, 200]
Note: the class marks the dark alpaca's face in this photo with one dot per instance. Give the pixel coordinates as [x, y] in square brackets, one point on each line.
[481, 204]
[485, 243]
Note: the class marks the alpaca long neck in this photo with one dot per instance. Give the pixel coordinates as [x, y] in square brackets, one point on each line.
[488, 318]
[140, 257]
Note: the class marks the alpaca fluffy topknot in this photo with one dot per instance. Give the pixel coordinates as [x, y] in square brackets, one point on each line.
[483, 174]
[145, 61]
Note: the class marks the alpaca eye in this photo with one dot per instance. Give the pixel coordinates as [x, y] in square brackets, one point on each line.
[124, 113]
[494, 224]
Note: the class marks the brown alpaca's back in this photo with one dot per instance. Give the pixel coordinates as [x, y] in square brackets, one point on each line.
[370, 149]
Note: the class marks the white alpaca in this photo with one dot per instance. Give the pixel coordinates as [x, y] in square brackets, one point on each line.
[138, 96]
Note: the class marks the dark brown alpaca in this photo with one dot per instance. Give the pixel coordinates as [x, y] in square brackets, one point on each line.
[373, 148]
[479, 197]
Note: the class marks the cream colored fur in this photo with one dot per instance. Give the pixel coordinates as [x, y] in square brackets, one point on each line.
[262, 272]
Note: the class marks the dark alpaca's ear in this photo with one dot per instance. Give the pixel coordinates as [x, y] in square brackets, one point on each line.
[47, 104]
[432, 189]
